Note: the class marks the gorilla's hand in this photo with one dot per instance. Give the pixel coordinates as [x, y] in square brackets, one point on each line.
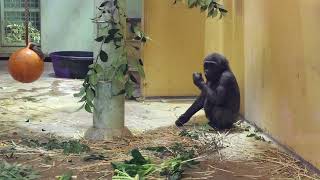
[181, 121]
[198, 80]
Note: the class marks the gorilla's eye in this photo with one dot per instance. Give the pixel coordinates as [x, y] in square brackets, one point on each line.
[210, 66]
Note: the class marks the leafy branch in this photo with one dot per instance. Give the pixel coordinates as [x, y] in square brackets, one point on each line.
[141, 168]
[17, 171]
[112, 65]
[212, 7]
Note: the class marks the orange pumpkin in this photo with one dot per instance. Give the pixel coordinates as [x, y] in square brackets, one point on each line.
[25, 65]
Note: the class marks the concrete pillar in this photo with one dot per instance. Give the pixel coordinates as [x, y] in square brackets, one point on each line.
[108, 115]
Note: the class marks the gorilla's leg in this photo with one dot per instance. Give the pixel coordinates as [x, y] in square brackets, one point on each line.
[221, 118]
[194, 108]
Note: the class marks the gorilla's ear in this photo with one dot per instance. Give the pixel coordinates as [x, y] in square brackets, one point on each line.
[224, 63]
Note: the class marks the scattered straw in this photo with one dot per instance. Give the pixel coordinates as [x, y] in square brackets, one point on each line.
[280, 163]
[248, 176]
[271, 161]
[221, 169]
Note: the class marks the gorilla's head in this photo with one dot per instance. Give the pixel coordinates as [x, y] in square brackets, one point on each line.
[214, 65]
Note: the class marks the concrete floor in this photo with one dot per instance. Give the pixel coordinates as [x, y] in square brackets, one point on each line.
[48, 105]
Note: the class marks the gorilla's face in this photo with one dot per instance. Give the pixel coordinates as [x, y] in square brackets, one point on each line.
[214, 65]
[211, 70]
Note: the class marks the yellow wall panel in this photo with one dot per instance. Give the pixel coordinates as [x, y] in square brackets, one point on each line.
[282, 72]
[176, 49]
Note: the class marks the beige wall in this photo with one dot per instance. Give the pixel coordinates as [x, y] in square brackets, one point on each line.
[282, 72]
[226, 37]
[176, 49]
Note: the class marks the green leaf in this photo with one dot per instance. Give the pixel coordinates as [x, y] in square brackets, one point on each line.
[66, 176]
[124, 69]
[103, 56]
[192, 3]
[133, 79]
[103, 4]
[83, 99]
[128, 171]
[137, 158]
[215, 13]
[138, 64]
[109, 72]
[119, 62]
[90, 94]
[113, 31]
[98, 68]
[220, 6]
[140, 36]
[211, 8]
[203, 8]
[82, 91]
[100, 39]
[222, 14]
[141, 71]
[93, 79]
[129, 86]
[137, 38]
[251, 135]
[90, 104]
[141, 62]
[118, 39]
[120, 77]
[90, 72]
[223, 10]
[109, 38]
[17, 171]
[88, 108]
[74, 147]
[144, 39]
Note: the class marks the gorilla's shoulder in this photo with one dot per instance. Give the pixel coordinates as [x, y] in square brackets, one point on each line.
[227, 77]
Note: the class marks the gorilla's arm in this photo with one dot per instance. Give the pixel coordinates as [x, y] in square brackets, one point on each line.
[194, 108]
[217, 96]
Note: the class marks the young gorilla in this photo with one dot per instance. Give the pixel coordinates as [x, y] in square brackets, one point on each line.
[219, 97]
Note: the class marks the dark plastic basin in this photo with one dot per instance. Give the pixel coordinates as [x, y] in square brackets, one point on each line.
[71, 64]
